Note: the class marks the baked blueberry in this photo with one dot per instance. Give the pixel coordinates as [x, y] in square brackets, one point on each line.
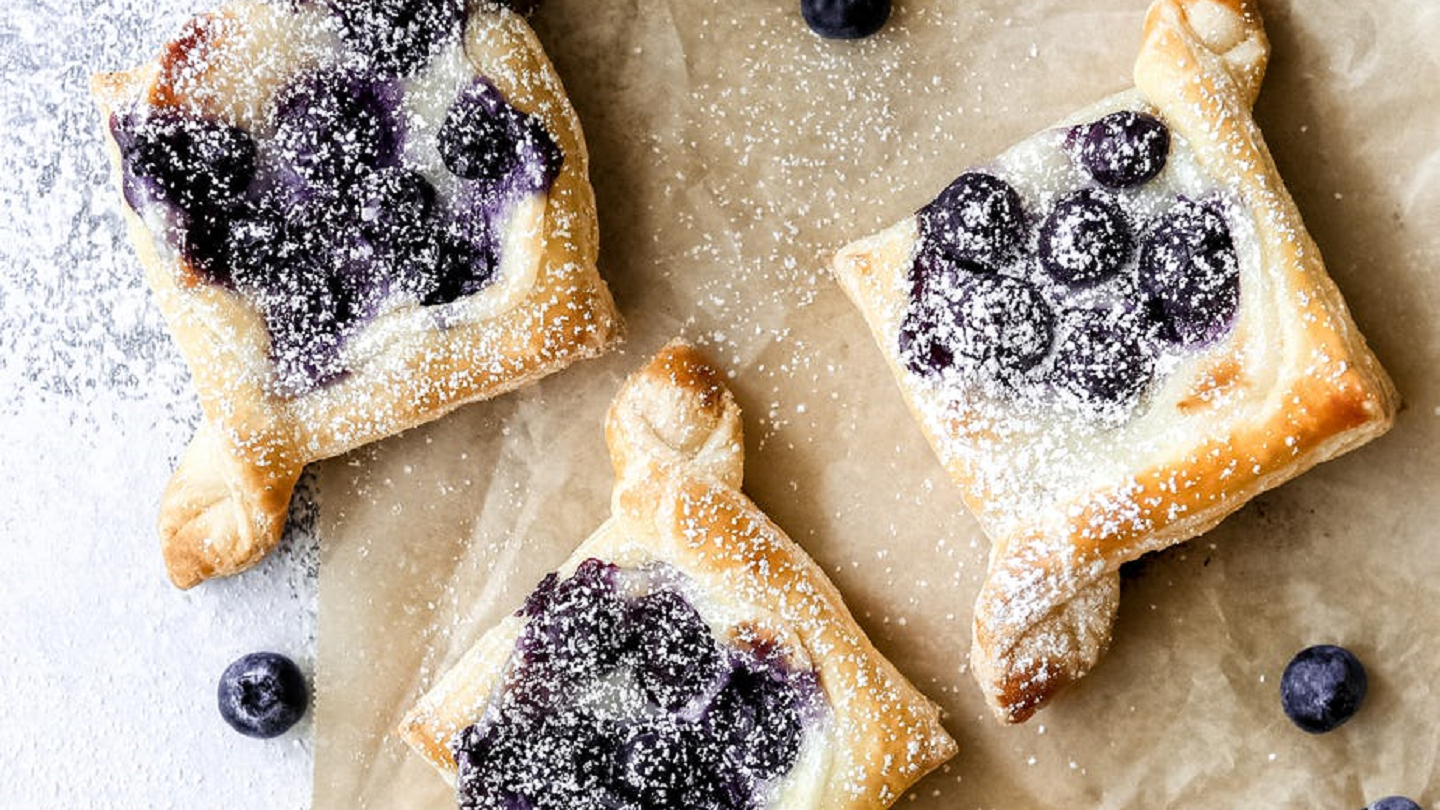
[677, 657]
[935, 276]
[1100, 358]
[199, 166]
[581, 632]
[1001, 324]
[1393, 803]
[1086, 238]
[1322, 688]
[1189, 268]
[1124, 149]
[845, 19]
[754, 724]
[978, 218]
[330, 126]
[262, 695]
[395, 203]
[465, 263]
[655, 766]
[921, 349]
[396, 37]
[482, 135]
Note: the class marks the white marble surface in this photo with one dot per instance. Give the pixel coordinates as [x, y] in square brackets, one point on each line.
[108, 675]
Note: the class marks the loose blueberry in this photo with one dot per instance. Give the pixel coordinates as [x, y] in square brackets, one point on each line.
[979, 219]
[1100, 360]
[1124, 149]
[1000, 323]
[1393, 803]
[396, 37]
[1086, 238]
[1189, 267]
[678, 658]
[845, 19]
[198, 165]
[1322, 688]
[262, 695]
[331, 125]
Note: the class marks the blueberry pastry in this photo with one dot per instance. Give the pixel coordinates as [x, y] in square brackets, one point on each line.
[356, 215]
[1114, 335]
[688, 654]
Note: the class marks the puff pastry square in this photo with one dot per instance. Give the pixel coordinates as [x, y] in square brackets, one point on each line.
[753, 688]
[1114, 335]
[355, 217]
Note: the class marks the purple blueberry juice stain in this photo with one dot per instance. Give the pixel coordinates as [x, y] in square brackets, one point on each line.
[1077, 306]
[318, 231]
[618, 700]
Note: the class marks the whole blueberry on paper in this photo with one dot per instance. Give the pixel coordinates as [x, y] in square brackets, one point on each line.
[262, 695]
[1322, 688]
[1393, 803]
[845, 19]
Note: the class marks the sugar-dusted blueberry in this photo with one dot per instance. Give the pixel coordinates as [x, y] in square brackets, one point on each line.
[921, 348]
[655, 765]
[394, 202]
[581, 633]
[397, 37]
[677, 657]
[935, 276]
[845, 19]
[1001, 324]
[465, 263]
[1124, 149]
[482, 134]
[196, 164]
[330, 125]
[548, 758]
[935, 280]
[262, 695]
[204, 242]
[1393, 803]
[1086, 238]
[978, 218]
[754, 724]
[1189, 268]
[1322, 687]
[1101, 359]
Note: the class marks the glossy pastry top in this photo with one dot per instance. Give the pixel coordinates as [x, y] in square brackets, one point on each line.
[376, 172]
[620, 695]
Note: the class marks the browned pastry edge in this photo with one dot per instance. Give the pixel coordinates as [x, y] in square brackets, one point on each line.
[675, 439]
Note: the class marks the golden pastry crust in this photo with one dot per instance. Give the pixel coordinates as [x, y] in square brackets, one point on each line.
[675, 438]
[226, 505]
[1294, 384]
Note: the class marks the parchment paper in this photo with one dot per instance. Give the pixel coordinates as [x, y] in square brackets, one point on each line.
[733, 152]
